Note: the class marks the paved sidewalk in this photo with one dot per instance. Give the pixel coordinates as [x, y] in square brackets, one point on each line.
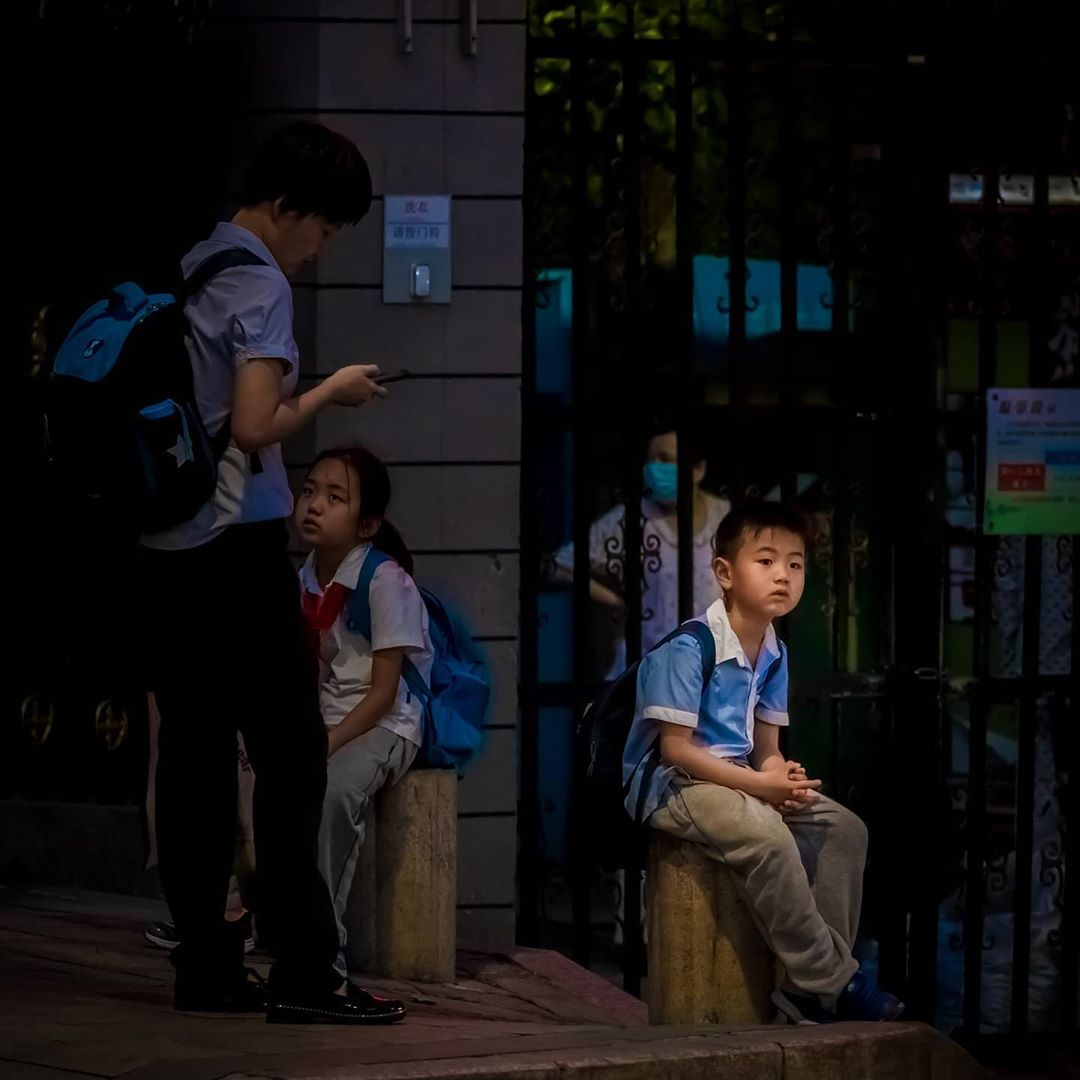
[82, 995]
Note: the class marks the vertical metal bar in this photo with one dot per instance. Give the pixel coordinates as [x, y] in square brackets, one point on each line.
[633, 356]
[528, 915]
[788, 151]
[788, 139]
[974, 892]
[684, 240]
[633, 946]
[839, 451]
[581, 382]
[737, 77]
[1025, 787]
[841, 165]
[1032, 603]
[836, 710]
[1070, 908]
[974, 896]
[789, 206]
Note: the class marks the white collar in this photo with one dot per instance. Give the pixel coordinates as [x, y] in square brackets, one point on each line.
[348, 573]
[228, 232]
[728, 645]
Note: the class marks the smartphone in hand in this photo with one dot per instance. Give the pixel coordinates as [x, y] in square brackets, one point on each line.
[385, 377]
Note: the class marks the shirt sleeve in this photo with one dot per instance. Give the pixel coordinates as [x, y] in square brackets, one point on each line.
[262, 318]
[671, 688]
[397, 611]
[772, 704]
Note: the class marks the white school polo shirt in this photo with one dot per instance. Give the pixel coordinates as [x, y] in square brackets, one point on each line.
[244, 313]
[669, 691]
[399, 619]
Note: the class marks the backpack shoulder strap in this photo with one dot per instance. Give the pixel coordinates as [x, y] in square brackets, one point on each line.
[703, 635]
[201, 276]
[359, 620]
[360, 601]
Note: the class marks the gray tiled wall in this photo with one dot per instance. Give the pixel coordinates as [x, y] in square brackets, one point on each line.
[431, 122]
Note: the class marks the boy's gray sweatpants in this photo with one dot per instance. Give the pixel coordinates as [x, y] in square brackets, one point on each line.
[353, 775]
[801, 874]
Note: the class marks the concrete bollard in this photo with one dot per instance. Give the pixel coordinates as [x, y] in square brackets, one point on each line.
[416, 877]
[707, 962]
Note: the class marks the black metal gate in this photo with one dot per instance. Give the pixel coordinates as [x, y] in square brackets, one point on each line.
[810, 242]
[122, 138]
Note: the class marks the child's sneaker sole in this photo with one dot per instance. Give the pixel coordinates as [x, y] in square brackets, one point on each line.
[161, 939]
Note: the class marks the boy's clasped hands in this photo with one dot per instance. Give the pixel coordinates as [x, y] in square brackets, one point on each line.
[784, 784]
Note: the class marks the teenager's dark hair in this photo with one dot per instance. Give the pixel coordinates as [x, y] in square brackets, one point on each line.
[374, 498]
[313, 170]
[751, 519]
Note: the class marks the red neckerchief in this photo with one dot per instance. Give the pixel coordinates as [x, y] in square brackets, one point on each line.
[322, 611]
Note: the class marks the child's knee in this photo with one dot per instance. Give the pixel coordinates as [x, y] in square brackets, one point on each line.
[853, 830]
[344, 802]
[339, 796]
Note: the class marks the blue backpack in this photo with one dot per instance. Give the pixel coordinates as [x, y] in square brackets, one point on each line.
[455, 705]
[121, 426]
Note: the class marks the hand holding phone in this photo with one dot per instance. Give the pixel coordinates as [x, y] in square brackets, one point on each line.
[385, 377]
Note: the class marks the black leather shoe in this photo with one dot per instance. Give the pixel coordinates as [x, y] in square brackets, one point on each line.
[356, 1006]
[245, 994]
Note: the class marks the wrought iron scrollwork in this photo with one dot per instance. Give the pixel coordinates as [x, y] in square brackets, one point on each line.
[111, 725]
[615, 557]
[38, 716]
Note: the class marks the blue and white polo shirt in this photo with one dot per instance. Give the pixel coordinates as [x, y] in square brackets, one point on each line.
[669, 691]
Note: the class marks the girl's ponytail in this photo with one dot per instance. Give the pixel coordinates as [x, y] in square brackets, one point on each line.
[389, 541]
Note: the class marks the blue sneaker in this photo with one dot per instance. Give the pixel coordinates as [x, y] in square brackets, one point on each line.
[861, 1000]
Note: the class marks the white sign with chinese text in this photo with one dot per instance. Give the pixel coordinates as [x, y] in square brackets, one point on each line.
[416, 221]
[1033, 462]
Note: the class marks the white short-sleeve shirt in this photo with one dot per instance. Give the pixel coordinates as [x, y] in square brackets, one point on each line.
[659, 566]
[242, 314]
[399, 619]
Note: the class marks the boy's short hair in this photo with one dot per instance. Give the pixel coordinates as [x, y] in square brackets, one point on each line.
[313, 170]
[752, 518]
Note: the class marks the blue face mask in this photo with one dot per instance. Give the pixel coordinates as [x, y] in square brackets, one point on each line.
[662, 481]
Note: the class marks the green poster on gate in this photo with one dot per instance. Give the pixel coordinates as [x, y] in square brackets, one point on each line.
[1032, 462]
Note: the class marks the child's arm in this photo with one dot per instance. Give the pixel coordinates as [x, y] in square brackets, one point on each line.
[260, 418]
[385, 678]
[766, 753]
[677, 749]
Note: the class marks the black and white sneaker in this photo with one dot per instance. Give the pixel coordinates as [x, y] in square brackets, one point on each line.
[163, 934]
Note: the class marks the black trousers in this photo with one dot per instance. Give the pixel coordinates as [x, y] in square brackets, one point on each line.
[227, 650]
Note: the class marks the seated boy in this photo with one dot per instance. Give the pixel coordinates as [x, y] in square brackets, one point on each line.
[703, 763]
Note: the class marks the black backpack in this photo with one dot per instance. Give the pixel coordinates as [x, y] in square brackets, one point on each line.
[608, 720]
[122, 429]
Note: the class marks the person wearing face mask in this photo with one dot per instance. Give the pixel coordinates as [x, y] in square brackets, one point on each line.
[659, 553]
